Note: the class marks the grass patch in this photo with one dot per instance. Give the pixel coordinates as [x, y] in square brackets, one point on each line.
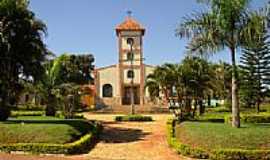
[41, 129]
[40, 134]
[212, 136]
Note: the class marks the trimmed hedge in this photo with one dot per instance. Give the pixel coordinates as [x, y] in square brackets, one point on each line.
[182, 149]
[218, 154]
[60, 114]
[134, 118]
[28, 107]
[250, 118]
[83, 145]
[27, 113]
[218, 109]
[239, 154]
[210, 118]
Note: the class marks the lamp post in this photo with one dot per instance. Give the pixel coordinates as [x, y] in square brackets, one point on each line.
[130, 42]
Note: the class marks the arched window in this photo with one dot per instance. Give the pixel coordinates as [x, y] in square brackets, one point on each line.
[107, 90]
[130, 74]
[130, 56]
[130, 41]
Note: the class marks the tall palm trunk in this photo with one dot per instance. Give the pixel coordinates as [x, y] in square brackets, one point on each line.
[235, 98]
[258, 107]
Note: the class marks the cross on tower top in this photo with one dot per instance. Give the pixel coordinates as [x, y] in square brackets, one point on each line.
[129, 13]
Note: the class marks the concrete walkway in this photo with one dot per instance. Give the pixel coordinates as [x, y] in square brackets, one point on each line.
[123, 141]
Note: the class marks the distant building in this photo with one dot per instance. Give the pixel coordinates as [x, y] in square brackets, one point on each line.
[113, 83]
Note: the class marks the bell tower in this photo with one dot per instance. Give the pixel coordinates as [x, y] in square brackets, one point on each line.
[131, 67]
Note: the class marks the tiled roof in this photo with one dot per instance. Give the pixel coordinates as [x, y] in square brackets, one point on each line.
[129, 24]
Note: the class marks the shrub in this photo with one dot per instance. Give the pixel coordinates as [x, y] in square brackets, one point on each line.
[28, 107]
[60, 114]
[83, 145]
[238, 154]
[27, 113]
[4, 113]
[217, 117]
[219, 109]
[138, 118]
[183, 149]
[251, 118]
[228, 104]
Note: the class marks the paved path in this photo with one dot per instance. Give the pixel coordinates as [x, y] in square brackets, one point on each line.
[122, 141]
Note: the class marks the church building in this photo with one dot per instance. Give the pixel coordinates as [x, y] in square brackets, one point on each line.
[115, 84]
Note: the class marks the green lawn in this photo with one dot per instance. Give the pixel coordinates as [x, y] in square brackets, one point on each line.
[41, 129]
[210, 136]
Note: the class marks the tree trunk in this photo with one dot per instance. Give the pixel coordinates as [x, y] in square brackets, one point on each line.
[209, 100]
[258, 107]
[51, 104]
[235, 98]
[4, 107]
[202, 108]
[195, 108]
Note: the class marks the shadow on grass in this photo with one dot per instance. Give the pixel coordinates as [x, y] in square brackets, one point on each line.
[260, 125]
[121, 135]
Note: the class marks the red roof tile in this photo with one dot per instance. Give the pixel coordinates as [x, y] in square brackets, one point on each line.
[129, 24]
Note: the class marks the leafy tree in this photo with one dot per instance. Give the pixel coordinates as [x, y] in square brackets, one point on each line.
[22, 50]
[222, 82]
[227, 24]
[63, 76]
[256, 71]
[160, 81]
[199, 75]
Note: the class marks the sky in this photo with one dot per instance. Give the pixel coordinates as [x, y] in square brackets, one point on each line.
[88, 26]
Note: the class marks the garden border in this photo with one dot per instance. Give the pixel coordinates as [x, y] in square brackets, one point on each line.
[133, 118]
[83, 145]
[219, 154]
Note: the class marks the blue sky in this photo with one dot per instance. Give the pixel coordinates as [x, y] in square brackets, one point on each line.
[87, 26]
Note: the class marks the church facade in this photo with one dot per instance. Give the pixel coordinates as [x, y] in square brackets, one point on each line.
[115, 84]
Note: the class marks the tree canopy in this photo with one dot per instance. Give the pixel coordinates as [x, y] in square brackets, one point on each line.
[22, 51]
[227, 24]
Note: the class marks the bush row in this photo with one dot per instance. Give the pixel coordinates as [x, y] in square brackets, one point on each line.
[26, 113]
[139, 118]
[221, 109]
[211, 118]
[61, 115]
[240, 154]
[28, 107]
[83, 145]
[219, 154]
[182, 149]
[250, 118]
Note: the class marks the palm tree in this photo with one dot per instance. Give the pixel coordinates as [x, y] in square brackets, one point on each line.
[227, 24]
[160, 81]
[51, 80]
[198, 78]
[63, 76]
[182, 83]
